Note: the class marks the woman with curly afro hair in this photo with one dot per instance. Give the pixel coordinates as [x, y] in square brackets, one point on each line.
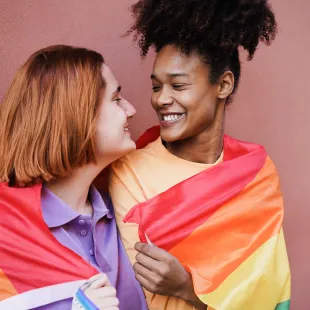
[207, 208]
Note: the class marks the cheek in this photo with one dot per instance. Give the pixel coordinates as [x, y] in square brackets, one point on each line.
[201, 112]
[154, 100]
[111, 121]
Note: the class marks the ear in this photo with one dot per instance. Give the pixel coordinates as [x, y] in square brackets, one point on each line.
[226, 85]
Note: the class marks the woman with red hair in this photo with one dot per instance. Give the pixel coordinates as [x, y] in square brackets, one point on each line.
[63, 120]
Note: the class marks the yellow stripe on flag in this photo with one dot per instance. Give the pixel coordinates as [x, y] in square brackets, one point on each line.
[261, 282]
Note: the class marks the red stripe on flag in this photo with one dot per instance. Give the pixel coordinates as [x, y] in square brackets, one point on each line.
[31, 257]
[149, 136]
[172, 216]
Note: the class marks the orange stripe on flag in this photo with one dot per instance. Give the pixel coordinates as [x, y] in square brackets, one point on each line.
[235, 231]
[6, 287]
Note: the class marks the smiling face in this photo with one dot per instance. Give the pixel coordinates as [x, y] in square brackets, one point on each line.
[112, 134]
[183, 97]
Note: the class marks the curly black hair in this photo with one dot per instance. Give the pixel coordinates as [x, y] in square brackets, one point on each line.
[213, 28]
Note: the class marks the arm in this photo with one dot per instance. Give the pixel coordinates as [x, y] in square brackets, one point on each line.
[123, 200]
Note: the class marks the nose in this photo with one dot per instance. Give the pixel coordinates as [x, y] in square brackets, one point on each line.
[128, 108]
[164, 98]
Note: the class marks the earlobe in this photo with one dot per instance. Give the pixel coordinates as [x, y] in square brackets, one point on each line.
[226, 85]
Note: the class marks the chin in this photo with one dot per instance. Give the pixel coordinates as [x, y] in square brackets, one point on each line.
[116, 153]
[169, 135]
[128, 147]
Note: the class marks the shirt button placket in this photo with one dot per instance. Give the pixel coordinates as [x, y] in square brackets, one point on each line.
[83, 232]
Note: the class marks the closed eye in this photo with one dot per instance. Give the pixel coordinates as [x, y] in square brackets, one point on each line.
[178, 86]
[156, 88]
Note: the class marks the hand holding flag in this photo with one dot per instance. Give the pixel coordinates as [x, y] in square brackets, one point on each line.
[96, 294]
[161, 273]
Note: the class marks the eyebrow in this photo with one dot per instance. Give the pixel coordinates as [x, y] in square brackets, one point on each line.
[118, 90]
[171, 75]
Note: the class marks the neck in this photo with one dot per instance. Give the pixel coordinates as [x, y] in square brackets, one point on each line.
[73, 190]
[207, 146]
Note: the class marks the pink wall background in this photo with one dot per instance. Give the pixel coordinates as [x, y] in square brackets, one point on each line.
[272, 106]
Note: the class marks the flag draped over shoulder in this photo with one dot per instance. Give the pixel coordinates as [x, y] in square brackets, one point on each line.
[225, 226]
[35, 269]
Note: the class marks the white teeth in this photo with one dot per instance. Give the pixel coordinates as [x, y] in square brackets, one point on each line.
[126, 129]
[171, 117]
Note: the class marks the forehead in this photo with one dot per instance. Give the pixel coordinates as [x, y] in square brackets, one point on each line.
[109, 78]
[171, 60]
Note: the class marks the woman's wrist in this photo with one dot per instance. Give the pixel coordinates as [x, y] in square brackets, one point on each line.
[188, 295]
[197, 303]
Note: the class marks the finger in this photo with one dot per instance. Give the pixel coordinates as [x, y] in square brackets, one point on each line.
[147, 262]
[144, 272]
[107, 302]
[101, 282]
[146, 284]
[152, 251]
[97, 281]
[100, 293]
[95, 277]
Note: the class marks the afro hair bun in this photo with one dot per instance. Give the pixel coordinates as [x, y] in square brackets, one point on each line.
[203, 24]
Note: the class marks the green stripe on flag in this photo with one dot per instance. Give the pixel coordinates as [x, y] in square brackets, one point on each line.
[284, 305]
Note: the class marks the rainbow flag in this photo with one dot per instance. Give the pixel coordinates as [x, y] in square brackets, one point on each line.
[35, 269]
[225, 226]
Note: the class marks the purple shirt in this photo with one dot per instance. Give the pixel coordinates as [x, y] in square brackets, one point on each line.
[95, 238]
